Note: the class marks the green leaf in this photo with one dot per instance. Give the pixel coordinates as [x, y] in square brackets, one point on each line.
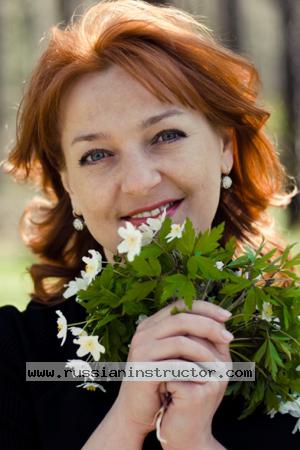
[180, 286]
[285, 317]
[192, 266]
[249, 304]
[234, 288]
[95, 296]
[151, 251]
[208, 241]
[250, 253]
[272, 359]
[260, 352]
[149, 268]
[105, 320]
[138, 291]
[186, 243]
[238, 262]
[295, 261]
[106, 276]
[208, 269]
[283, 347]
[263, 261]
[155, 267]
[133, 309]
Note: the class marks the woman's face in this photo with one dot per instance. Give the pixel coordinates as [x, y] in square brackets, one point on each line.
[122, 157]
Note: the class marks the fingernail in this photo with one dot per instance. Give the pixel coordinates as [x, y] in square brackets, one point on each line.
[225, 313]
[227, 335]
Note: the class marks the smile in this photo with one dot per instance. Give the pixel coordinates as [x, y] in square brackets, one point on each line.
[138, 219]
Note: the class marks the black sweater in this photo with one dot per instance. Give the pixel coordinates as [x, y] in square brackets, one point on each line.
[58, 415]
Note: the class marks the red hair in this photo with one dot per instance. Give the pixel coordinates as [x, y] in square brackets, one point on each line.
[169, 52]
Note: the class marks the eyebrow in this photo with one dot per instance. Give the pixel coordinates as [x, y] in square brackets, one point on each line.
[143, 125]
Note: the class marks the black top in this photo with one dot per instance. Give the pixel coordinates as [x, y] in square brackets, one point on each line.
[58, 415]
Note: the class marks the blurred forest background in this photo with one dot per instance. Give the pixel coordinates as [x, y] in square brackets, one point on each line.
[266, 31]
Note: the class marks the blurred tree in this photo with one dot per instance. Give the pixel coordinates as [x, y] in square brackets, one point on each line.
[66, 9]
[230, 17]
[2, 65]
[290, 11]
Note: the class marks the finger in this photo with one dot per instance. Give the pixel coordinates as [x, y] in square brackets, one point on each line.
[221, 351]
[195, 325]
[177, 347]
[199, 307]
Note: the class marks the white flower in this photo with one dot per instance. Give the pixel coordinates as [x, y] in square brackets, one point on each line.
[61, 326]
[292, 408]
[176, 232]
[276, 323]
[156, 224]
[219, 265]
[75, 285]
[76, 331]
[132, 242]
[93, 265]
[297, 427]
[151, 227]
[298, 368]
[267, 312]
[141, 318]
[91, 386]
[272, 413]
[79, 365]
[89, 344]
[147, 234]
[238, 272]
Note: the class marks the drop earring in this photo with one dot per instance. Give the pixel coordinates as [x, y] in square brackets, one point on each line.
[226, 182]
[78, 222]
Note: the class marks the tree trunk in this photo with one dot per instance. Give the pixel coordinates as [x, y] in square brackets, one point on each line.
[230, 16]
[66, 8]
[291, 95]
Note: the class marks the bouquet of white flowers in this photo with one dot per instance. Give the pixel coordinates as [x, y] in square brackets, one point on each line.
[166, 261]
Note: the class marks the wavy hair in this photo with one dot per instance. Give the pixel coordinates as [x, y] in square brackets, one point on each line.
[161, 47]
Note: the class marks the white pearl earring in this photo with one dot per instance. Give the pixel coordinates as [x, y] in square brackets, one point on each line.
[226, 182]
[78, 222]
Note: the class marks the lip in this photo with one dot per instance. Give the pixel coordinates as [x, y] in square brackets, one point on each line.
[151, 207]
[169, 212]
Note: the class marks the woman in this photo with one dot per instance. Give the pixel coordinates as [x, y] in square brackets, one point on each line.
[133, 108]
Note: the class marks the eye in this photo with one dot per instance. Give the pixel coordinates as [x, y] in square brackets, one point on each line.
[93, 156]
[170, 135]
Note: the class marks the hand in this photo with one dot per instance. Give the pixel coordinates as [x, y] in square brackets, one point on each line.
[186, 424]
[195, 336]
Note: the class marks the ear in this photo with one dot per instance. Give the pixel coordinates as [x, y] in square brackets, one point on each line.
[66, 184]
[227, 152]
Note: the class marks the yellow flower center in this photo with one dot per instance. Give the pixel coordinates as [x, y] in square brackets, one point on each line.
[89, 344]
[88, 268]
[268, 310]
[90, 388]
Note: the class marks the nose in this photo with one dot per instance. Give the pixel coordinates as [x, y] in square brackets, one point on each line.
[139, 175]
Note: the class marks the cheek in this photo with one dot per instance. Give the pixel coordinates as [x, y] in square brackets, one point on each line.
[88, 193]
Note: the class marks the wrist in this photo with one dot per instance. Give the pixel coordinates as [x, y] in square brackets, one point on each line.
[112, 430]
[132, 432]
[210, 444]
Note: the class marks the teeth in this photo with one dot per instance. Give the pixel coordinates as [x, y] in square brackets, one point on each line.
[153, 212]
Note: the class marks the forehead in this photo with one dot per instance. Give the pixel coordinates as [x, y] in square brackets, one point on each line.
[109, 94]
